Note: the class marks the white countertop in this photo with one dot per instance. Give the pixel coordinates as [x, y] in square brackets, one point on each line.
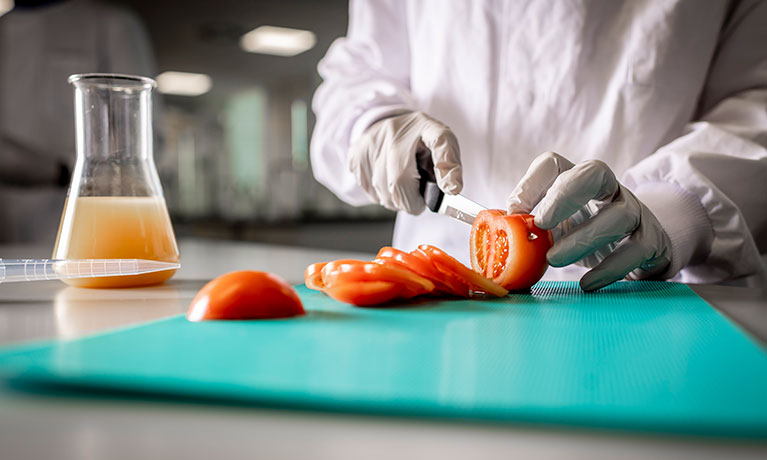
[71, 426]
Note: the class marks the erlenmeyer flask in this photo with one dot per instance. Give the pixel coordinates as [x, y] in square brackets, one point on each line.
[115, 207]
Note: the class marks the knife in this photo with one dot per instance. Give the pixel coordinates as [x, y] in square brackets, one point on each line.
[455, 206]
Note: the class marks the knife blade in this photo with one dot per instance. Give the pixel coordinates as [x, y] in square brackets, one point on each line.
[456, 206]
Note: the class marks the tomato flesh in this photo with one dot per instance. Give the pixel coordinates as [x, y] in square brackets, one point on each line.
[500, 252]
[481, 246]
[510, 249]
[245, 294]
[313, 276]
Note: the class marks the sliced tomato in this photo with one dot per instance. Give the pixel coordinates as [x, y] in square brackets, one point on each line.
[422, 266]
[351, 272]
[245, 295]
[313, 276]
[457, 285]
[448, 265]
[335, 264]
[509, 249]
[365, 293]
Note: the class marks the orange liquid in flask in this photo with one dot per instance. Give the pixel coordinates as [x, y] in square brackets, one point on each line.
[108, 227]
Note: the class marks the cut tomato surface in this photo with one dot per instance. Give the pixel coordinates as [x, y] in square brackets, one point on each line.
[245, 295]
[450, 266]
[313, 276]
[509, 248]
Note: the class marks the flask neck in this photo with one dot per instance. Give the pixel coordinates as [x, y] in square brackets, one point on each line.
[113, 129]
[113, 123]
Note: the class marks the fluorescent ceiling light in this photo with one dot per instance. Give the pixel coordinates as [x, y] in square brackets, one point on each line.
[183, 83]
[278, 40]
[6, 6]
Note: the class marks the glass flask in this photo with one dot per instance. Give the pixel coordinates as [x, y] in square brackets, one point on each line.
[115, 208]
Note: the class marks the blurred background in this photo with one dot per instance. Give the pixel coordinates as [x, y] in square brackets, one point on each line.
[232, 121]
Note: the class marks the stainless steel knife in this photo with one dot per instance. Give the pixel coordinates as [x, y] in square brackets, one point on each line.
[455, 206]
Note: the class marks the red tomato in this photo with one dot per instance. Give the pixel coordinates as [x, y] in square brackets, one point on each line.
[353, 272]
[357, 283]
[459, 285]
[450, 266]
[509, 249]
[366, 293]
[313, 276]
[245, 295]
[442, 284]
[334, 265]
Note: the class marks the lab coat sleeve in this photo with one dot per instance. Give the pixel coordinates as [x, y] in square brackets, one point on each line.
[708, 188]
[366, 77]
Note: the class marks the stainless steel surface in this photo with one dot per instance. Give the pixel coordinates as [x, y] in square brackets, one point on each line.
[459, 207]
[77, 426]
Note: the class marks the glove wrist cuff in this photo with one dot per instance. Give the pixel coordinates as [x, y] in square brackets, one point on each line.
[684, 220]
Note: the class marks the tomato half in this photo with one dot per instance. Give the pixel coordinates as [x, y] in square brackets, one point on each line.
[509, 248]
[245, 294]
[452, 267]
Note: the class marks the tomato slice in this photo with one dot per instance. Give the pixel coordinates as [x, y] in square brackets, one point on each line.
[448, 265]
[424, 267]
[398, 275]
[453, 282]
[352, 272]
[313, 276]
[334, 265]
[366, 293]
[245, 295]
[509, 249]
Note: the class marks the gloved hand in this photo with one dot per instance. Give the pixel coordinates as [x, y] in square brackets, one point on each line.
[593, 213]
[383, 160]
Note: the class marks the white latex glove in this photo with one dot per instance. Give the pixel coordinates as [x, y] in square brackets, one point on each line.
[601, 224]
[383, 160]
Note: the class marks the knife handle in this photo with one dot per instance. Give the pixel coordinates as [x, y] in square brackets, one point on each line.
[430, 192]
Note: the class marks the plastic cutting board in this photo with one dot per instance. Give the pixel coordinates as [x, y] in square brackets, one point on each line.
[637, 355]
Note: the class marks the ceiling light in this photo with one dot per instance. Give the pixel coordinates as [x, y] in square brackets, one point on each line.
[183, 83]
[6, 6]
[279, 41]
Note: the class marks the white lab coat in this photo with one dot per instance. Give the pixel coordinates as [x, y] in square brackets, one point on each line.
[671, 94]
[39, 49]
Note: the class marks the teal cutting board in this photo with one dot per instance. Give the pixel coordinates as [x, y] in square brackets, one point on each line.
[637, 355]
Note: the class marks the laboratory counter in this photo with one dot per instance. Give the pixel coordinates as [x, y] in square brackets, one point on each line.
[70, 425]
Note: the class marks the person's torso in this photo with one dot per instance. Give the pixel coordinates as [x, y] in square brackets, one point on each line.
[601, 80]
